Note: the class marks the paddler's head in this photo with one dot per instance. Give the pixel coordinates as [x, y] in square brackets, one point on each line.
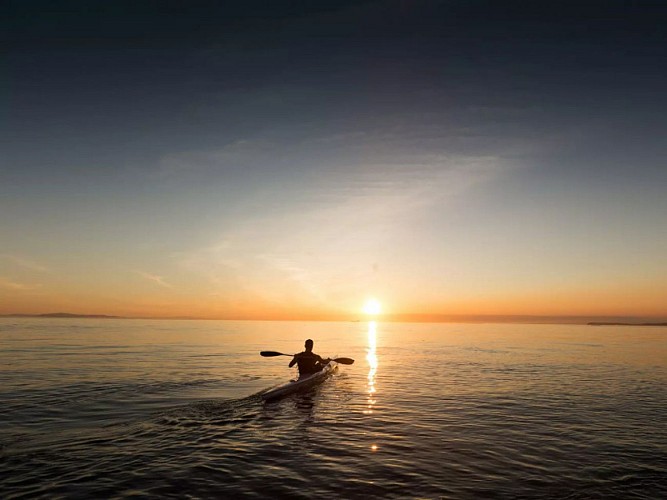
[309, 345]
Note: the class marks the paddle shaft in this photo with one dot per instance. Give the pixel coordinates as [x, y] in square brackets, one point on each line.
[271, 354]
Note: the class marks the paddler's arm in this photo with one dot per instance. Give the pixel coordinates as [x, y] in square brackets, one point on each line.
[321, 360]
[293, 362]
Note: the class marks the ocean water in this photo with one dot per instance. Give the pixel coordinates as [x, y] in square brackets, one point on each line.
[118, 408]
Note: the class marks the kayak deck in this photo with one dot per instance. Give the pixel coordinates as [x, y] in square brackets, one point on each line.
[301, 384]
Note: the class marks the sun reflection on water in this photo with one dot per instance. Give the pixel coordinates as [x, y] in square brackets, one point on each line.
[372, 359]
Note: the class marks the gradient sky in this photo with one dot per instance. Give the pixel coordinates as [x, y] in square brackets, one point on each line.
[290, 159]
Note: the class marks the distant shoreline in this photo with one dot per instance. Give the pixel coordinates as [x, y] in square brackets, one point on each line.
[398, 318]
[86, 316]
[603, 323]
[61, 315]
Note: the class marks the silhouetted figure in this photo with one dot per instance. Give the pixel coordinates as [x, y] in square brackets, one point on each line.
[308, 361]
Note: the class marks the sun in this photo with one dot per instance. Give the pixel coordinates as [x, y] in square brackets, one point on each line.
[372, 307]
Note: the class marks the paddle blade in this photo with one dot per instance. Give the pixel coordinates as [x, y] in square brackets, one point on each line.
[344, 361]
[271, 354]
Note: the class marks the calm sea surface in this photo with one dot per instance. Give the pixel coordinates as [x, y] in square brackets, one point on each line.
[115, 408]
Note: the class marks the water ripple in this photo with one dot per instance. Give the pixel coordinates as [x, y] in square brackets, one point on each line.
[473, 416]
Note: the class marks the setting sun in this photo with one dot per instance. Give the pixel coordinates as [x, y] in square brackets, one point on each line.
[372, 306]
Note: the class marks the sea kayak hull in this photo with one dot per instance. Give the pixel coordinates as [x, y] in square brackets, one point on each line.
[301, 384]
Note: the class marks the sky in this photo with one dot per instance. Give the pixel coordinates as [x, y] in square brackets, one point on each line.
[291, 160]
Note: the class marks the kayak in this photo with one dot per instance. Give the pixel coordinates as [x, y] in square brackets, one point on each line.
[302, 383]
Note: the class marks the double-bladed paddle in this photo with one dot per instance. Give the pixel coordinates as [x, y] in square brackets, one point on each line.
[271, 354]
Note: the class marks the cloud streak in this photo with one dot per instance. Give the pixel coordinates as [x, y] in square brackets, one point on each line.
[19, 287]
[155, 279]
[24, 263]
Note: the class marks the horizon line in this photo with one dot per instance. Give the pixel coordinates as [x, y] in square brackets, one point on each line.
[390, 318]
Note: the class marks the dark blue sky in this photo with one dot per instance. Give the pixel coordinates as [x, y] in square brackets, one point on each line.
[126, 77]
[152, 131]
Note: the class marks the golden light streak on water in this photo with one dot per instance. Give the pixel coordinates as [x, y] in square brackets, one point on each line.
[371, 358]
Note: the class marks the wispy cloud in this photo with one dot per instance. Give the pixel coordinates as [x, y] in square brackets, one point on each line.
[328, 206]
[298, 275]
[322, 245]
[24, 262]
[155, 279]
[296, 151]
[13, 285]
[237, 155]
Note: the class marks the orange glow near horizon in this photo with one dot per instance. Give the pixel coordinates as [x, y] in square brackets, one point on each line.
[277, 301]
